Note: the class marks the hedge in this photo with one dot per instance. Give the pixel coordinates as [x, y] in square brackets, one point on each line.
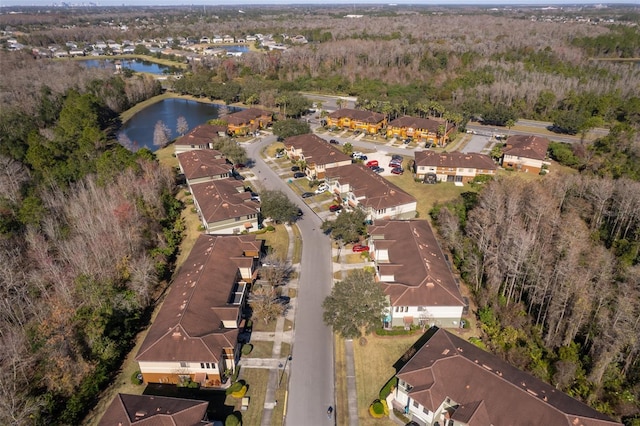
[378, 409]
[386, 390]
[239, 394]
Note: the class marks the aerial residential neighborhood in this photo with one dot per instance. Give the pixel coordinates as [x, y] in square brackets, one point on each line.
[367, 214]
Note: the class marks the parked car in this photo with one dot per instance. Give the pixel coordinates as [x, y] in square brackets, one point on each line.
[364, 158]
[335, 142]
[239, 166]
[397, 170]
[298, 175]
[295, 169]
[356, 154]
[300, 213]
[307, 194]
[359, 248]
[397, 157]
[238, 177]
[280, 154]
[356, 132]
[335, 208]
[372, 163]
[378, 169]
[395, 162]
[323, 187]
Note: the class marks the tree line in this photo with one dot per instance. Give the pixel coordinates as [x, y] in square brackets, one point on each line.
[88, 234]
[553, 265]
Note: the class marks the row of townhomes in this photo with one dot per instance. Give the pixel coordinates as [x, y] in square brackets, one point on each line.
[357, 186]
[433, 131]
[445, 380]
[194, 337]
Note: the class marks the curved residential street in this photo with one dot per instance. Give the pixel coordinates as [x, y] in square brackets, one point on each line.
[311, 385]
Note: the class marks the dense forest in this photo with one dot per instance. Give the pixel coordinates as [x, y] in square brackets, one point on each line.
[88, 229]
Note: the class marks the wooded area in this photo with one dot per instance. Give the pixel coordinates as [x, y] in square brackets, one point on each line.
[88, 229]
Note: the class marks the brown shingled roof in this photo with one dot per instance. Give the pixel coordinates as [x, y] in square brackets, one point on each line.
[221, 199]
[315, 149]
[246, 115]
[377, 191]
[200, 135]
[431, 124]
[527, 146]
[421, 273]
[188, 327]
[454, 160]
[149, 410]
[203, 163]
[359, 115]
[447, 366]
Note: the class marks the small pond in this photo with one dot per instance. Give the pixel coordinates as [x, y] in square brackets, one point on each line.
[140, 128]
[137, 65]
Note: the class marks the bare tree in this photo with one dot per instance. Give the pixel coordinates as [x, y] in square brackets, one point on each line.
[182, 126]
[161, 134]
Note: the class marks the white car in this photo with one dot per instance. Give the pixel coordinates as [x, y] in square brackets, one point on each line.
[323, 187]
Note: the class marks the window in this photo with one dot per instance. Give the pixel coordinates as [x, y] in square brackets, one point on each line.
[208, 365]
[425, 410]
[415, 403]
[184, 364]
[202, 365]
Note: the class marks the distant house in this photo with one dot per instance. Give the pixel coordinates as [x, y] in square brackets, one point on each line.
[359, 187]
[431, 130]
[204, 165]
[249, 120]
[316, 153]
[525, 153]
[356, 119]
[200, 137]
[414, 274]
[131, 410]
[217, 39]
[204, 40]
[228, 39]
[452, 166]
[225, 207]
[449, 381]
[194, 337]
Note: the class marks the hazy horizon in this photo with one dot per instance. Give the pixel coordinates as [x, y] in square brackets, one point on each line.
[12, 3]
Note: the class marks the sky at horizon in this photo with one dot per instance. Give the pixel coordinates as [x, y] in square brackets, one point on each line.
[9, 3]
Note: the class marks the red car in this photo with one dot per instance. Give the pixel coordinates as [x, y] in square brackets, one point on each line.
[372, 163]
[335, 208]
[397, 170]
[359, 248]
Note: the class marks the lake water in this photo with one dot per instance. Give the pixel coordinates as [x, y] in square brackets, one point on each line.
[236, 48]
[139, 129]
[136, 65]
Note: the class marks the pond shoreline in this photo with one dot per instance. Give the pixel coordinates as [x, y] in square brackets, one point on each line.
[128, 114]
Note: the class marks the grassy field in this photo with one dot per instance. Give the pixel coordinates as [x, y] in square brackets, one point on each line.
[261, 349]
[374, 367]
[341, 395]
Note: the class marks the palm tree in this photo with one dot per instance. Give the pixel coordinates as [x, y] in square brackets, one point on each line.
[340, 102]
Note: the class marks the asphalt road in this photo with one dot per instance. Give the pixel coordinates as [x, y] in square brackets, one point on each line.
[483, 130]
[311, 385]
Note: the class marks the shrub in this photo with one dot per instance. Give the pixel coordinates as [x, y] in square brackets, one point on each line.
[236, 373]
[386, 390]
[193, 385]
[239, 394]
[378, 409]
[235, 387]
[136, 378]
[232, 420]
[246, 349]
[271, 228]
[396, 331]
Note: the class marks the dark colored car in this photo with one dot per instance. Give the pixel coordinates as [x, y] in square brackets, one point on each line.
[395, 163]
[307, 194]
[300, 213]
[298, 175]
[239, 166]
[335, 142]
[295, 169]
[359, 248]
[378, 169]
[397, 170]
[238, 177]
[364, 158]
[335, 208]
[397, 157]
[407, 141]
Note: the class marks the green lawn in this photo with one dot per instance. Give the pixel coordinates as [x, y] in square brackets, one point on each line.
[261, 349]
